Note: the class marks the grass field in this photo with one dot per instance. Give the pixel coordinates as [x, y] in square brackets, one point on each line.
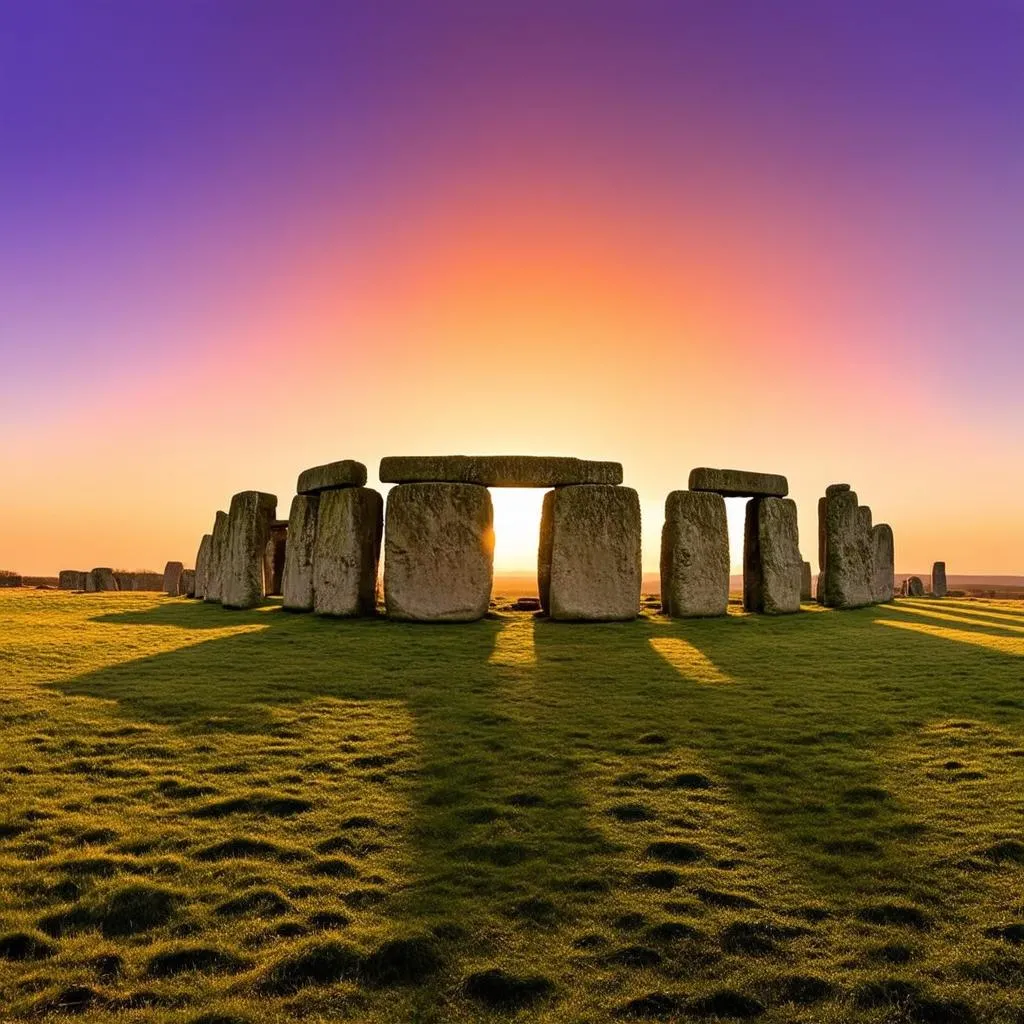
[225, 817]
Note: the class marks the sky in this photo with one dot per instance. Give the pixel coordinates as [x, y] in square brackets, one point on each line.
[241, 238]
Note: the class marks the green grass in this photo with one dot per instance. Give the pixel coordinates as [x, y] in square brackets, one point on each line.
[221, 817]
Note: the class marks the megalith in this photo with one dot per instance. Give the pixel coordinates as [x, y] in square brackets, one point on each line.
[845, 539]
[187, 583]
[203, 566]
[347, 551]
[297, 578]
[806, 589]
[273, 557]
[438, 552]
[772, 566]
[913, 586]
[172, 578]
[882, 563]
[589, 555]
[71, 579]
[249, 519]
[344, 473]
[100, 580]
[218, 556]
[939, 588]
[694, 555]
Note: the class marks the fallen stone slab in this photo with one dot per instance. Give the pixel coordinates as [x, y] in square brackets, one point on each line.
[498, 470]
[588, 564]
[172, 578]
[249, 520]
[71, 579]
[346, 473]
[694, 555]
[882, 564]
[438, 552]
[939, 587]
[297, 577]
[346, 554]
[203, 566]
[738, 483]
[218, 555]
[772, 566]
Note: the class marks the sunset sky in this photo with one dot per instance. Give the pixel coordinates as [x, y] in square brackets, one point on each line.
[241, 238]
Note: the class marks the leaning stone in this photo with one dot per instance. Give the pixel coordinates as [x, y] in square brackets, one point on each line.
[71, 579]
[187, 583]
[347, 552]
[847, 551]
[203, 566]
[498, 470]
[345, 473]
[882, 563]
[806, 590]
[939, 588]
[249, 520]
[297, 577]
[172, 578]
[589, 556]
[218, 557]
[913, 586]
[694, 555]
[772, 566]
[103, 579]
[273, 557]
[438, 552]
[738, 483]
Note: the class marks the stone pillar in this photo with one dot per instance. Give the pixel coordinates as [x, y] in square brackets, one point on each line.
[347, 552]
[297, 579]
[249, 522]
[939, 588]
[847, 549]
[882, 563]
[218, 556]
[203, 566]
[694, 555]
[772, 566]
[438, 552]
[588, 564]
[71, 579]
[913, 587]
[273, 558]
[172, 578]
[126, 580]
[101, 579]
[187, 583]
[806, 590]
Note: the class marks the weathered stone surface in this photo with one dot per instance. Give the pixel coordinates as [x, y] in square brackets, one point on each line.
[772, 566]
[10, 579]
[694, 555]
[187, 583]
[738, 483]
[297, 579]
[836, 489]
[913, 586]
[126, 580]
[882, 563]
[218, 556]
[939, 588]
[71, 579]
[588, 564]
[438, 552]
[249, 520]
[345, 473]
[148, 581]
[864, 517]
[172, 578]
[806, 589]
[102, 579]
[498, 470]
[347, 552]
[273, 557]
[848, 550]
[203, 566]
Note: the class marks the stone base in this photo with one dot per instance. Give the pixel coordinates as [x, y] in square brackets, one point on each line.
[694, 555]
[297, 578]
[248, 532]
[588, 564]
[347, 552]
[438, 552]
[772, 566]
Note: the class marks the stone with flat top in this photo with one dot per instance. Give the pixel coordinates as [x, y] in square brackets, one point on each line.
[498, 470]
[738, 483]
[346, 473]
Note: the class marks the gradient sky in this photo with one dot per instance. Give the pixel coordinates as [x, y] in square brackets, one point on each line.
[240, 238]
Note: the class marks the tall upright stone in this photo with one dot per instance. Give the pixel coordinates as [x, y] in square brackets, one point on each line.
[588, 564]
[187, 583]
[346, 553]
[847, 549]
[694, 555]
[203, 566]
[772, 566]
[172, 578]
[273, 557]
[913, 587]
[438, 552]
[806, 589]
[218, 557]
[882, 563]
[249, 520]
[939, 588]
[100, 580]
[297, 579]
[71, 579]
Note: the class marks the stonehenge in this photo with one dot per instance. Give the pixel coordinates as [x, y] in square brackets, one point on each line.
[772, 566]
[913, 587]
[218, 552]
[273, 557]
[249, 520]
[939, 588]
[738, 483]
[498, 470]
[172, 578]
[882, 587]
[187, 583]
[694, 555]
[855, 557]
[71, 579]
[202, 581]
[297, 582]
[347, 551]
[806, 591]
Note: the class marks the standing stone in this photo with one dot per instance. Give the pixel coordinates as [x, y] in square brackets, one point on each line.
[187, 583]
[203, 566]
[297, 579]
[347, 551]
[172, 578]
[249, 520]
[847, 549]
[588, 564]
[126, 580]
[914, 587]
[148, 581]
[71, 579]
[438, 552]
[273, 557]
[772, 566]
[694, 555]
[806, 590]
[939, 588]
[882, 563]
[102, 579]
[218, 557]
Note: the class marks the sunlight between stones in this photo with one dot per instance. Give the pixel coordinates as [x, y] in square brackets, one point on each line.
[979, 615]
[1003, 644]
[513, 646]
[930, 613]
[689, 661]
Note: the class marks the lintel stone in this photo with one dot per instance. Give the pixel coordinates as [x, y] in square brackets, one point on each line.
[498, 470]
[345, 473]
[738, 483]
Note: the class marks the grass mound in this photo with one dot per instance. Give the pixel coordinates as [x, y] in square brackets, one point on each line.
[318, 963]
[25, 946]
[496, 989]
[180, 959]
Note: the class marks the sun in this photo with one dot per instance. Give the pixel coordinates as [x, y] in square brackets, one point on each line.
[516, 527]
